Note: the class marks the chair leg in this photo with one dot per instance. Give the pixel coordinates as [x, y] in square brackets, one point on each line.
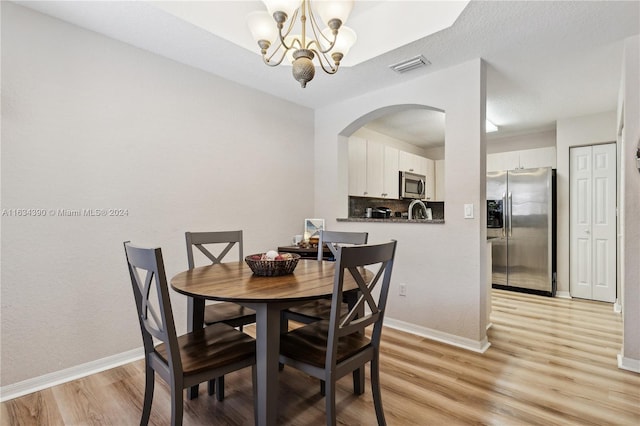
[375, 390]
[176, 405]
[358, 381]
[220, 388]
[192, 392]
[323, 388]
[211, 387]
[330, 402]
[148, 395]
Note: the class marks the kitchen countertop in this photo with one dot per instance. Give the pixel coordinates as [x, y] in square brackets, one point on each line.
[390, 220]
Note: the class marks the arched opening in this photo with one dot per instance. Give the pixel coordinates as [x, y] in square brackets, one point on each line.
[396, 156]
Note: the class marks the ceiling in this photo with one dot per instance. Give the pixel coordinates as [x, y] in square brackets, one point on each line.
[546, 60]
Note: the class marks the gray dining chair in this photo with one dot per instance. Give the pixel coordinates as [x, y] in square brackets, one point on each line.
[320, 309]
[317, 310]
[181, 361]
[330, 349]
[222, 312]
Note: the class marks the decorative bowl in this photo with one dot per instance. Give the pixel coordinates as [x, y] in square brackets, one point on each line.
[272, 268]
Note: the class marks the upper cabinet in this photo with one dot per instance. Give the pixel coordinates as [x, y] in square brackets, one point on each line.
[409, 162]
[439, 177]
[430, 184]
[357, 167]
[523, 159]
[373, 169]
[401, 139]
[391, 178]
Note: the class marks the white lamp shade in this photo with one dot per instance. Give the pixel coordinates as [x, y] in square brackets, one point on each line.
[286, 6]
[262, 26]
[346, 38]
[332, 9]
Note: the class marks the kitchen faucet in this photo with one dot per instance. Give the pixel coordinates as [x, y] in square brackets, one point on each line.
[412, 205]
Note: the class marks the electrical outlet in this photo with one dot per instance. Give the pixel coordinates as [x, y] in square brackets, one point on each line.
[403, 289]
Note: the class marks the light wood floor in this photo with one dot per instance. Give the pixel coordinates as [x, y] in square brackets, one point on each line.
[551, 362]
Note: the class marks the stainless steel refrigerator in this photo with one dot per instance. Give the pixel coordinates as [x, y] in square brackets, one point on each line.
[521, 224]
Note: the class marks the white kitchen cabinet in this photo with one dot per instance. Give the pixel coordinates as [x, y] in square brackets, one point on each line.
[390, 184]
[503, 161]
[439, 180]
[522, 159]
[409, 162]
[373, 169]
[357, 167]
[430, 173]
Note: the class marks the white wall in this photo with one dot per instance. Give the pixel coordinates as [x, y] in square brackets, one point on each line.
[577, 131]
[442, 265]
[630, 205]
[89, 122]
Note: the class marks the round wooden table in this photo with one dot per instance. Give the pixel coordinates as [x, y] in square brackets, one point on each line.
[268, 296]
[235, 282]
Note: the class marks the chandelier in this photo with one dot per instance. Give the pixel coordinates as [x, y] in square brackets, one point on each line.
[274, 33]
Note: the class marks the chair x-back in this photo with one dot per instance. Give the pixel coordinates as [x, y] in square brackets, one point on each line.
[319, 309]
[330, 349]
[227, 312]
[221, 312]
[186, 360]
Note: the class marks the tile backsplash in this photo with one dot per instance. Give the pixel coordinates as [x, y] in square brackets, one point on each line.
[358, 206]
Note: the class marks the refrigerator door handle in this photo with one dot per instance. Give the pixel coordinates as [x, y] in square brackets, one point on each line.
[504, 214]
[510, 215]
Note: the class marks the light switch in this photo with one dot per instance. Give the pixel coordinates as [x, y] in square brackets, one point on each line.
[468, 211]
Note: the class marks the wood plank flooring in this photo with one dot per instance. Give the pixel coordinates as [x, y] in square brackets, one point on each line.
[551, 362]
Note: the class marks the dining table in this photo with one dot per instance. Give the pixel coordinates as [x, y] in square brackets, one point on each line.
[268, 296]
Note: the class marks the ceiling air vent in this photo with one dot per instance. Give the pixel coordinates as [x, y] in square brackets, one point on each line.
[410, 64]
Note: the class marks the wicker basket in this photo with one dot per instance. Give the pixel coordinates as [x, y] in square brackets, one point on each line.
[272, 268]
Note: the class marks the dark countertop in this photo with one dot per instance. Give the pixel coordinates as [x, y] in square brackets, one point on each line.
[390, 220]
[307, 252]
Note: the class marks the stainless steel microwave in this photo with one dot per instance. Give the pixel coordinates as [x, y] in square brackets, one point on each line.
[412, 185]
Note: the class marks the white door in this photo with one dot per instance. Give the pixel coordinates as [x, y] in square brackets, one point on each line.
[593, 222]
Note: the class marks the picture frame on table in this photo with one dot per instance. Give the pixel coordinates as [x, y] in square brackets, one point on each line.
[312, 228]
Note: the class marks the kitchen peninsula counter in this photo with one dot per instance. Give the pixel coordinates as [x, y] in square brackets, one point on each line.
[390, 220]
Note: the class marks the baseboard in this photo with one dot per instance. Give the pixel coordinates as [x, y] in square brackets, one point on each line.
[563, 295]
[63, 376]
[479, 346]
[628, 364]
[617, 307]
